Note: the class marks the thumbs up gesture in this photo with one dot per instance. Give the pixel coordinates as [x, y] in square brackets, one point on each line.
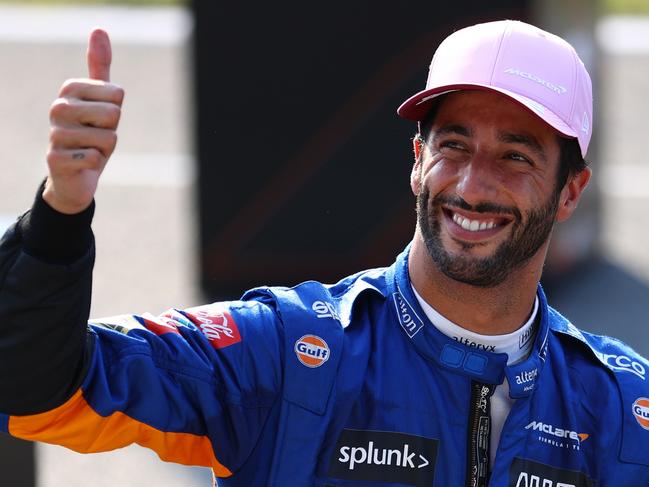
[83, 131]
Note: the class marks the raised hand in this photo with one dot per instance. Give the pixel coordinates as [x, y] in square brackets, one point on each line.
[83, 131]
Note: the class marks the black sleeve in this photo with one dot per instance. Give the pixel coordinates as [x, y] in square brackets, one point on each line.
[46, 261]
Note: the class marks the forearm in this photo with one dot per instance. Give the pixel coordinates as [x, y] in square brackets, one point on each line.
[45, 285]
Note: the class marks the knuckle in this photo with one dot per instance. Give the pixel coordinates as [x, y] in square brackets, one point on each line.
[112, 139]
[59, 109]
[118, 95]
[52, 156]
[93, 157]
[57, 135]
[106, 142]
[54, 159]
[113, 115]
[71, 86]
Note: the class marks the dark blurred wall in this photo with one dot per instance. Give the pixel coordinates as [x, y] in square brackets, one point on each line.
[304, 164]
[17, 462]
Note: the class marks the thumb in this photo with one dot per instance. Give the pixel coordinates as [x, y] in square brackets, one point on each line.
[99, 55]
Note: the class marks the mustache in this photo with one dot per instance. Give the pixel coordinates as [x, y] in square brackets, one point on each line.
[482, 207]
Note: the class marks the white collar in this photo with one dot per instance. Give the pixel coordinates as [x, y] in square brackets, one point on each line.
[517, 345]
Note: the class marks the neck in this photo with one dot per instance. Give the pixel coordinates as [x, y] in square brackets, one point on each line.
[495, 310]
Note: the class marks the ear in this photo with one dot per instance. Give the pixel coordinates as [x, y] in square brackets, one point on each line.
[417, 146]
[571, 193]
[415, 174]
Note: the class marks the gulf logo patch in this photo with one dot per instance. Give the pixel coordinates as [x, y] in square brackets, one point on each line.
[640, 410]
[312, 351]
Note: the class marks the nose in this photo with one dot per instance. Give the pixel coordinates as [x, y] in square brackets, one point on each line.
[477, 179]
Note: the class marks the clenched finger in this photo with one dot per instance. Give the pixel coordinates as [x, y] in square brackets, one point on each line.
[71, 112]
[104, 140]
[92, 90]
[74, 160]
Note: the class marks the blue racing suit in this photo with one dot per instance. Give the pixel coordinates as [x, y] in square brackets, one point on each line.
[324, 385]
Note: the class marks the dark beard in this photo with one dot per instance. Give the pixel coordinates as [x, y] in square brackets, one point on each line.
[527, 236]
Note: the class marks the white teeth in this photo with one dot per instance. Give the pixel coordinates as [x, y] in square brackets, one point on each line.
[472, 225]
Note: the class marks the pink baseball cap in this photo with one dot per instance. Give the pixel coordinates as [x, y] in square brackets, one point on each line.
[539, 70]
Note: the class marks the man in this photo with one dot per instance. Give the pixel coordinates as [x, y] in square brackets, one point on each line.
[447, 368]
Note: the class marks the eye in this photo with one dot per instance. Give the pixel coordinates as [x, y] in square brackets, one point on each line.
[517, 156]
[451, 144]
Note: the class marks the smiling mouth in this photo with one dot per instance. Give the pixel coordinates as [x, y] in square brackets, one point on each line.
[473, 225]
[477, 224]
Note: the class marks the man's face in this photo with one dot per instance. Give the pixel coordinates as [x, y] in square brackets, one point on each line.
[486, 188]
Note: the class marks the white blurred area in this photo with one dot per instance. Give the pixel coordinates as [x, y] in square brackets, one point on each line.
[597, 272]
[145, 219]
[624, 134]
[146, 216]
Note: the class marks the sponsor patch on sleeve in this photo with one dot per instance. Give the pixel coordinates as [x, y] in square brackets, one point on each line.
[159, 324]
[312, 351]
[121, 324]
[640, 410]
[217, 325]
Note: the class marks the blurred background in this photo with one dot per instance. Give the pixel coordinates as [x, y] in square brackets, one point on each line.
[259, 145]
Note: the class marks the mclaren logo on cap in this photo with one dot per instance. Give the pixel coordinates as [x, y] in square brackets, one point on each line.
[524, 74]
[312, 351]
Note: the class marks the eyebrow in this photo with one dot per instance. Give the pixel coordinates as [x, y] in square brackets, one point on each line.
[527, 140]
[452, 129]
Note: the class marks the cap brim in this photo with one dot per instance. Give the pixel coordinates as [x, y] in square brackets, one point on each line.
[417, 106]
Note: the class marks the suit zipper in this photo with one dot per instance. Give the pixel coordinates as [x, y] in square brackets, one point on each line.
[479, 434]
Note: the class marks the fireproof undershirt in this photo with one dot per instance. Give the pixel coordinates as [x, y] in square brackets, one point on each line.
[517, 345]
